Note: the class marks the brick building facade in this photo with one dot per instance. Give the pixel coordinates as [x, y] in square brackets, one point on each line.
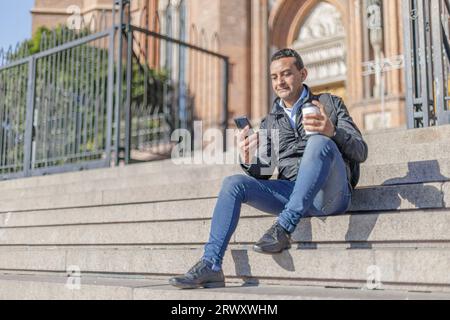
[341, 41]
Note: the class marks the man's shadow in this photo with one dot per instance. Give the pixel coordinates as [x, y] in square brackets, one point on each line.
[362, 218]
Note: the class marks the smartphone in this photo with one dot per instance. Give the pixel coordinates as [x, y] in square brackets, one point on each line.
[242, 123]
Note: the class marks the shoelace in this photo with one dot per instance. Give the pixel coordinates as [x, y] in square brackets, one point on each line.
[274, 230]
[197, 268]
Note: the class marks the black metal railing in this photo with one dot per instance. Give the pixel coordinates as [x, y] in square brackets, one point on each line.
[427, 62]
[169, 84]
[56, 105]
[93, 97]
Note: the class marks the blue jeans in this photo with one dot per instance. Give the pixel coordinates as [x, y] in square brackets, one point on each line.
[321, 189]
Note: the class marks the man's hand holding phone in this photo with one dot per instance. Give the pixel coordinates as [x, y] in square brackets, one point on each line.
[248, 143]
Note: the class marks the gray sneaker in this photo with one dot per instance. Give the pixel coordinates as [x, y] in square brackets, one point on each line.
[200, 276]
[274, 241]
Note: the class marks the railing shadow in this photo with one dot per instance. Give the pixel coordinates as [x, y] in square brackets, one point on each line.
[419, 173]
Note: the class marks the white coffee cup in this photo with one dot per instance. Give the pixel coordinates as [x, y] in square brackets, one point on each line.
[309, 108]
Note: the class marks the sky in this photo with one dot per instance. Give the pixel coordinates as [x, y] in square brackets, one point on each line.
[15, 21]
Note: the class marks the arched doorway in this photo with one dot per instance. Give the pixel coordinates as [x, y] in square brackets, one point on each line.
[321, 42]
[316, 29]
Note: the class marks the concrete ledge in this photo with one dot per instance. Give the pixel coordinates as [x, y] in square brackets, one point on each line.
[389, 154]
[399, 197]
[371, 175]
[399, 227]
[144, 212]
[124, 172]
[402, 268]
[411, 266]
[53, 288]
[400, 137]
[429, 163]
[66, 196]
[413, 172]
[387, 198]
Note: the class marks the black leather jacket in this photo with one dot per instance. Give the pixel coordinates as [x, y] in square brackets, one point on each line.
[292, 143]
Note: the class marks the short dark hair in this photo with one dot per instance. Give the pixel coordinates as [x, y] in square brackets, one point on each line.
[289, 53]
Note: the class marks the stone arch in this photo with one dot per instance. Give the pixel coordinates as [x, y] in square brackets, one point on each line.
[328, 62]
[286, 18]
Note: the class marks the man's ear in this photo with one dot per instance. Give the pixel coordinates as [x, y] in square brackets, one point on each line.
[304, 74]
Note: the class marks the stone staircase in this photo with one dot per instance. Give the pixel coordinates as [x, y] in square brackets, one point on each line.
[128, 229]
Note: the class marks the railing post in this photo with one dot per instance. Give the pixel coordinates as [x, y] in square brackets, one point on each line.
[31, 88]
[438, 59]
[118, 107]
[129, 88]
[408, 43]
[110, 93]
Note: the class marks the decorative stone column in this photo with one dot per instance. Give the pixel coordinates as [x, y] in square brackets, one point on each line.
[260, 103]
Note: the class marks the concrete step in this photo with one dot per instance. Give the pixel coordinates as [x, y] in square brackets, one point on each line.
[408, 153]
[418, 269]
[400, 137]
[51, 287]
[371, 175]
[387, 148]
[138, 226]
[96, 174]
[185, 174]
[405, 173]
[409, 196]
[411, 249]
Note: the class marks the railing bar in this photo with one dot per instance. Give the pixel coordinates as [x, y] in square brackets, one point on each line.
[73, 156]
[58, 93]
[74, 99]
[98, 92]
[105, 97]
[50, 151]
[447, 5]
[92, 97]
[446, 43]
[67, 99]
[2, 108]
[31, 93]
[14, 64]
[10, 119]
[438, 59]
[41, 66]
[19, 115]
[119, 72]
[75, 43]
[47, 114]
[176, 41]
[110, 99]
[5, 120]
[81, 104]
[12, 115]
[62, 132]
[24, 111]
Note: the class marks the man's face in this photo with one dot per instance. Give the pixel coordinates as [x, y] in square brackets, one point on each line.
[287, 80]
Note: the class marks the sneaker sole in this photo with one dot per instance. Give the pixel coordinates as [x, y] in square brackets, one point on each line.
[210, 285]
[259, 250]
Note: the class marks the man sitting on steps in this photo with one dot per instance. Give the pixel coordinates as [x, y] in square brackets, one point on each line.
[317, 173]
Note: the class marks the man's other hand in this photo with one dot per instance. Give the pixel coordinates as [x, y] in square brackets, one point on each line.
[319, 122]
